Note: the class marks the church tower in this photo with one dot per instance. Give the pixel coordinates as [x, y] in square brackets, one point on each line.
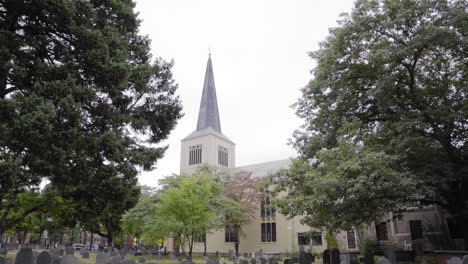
[207, 144]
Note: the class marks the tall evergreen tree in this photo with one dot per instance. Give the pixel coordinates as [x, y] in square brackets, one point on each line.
[82, 104]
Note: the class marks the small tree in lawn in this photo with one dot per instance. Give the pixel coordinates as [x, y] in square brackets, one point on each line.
[187, 210]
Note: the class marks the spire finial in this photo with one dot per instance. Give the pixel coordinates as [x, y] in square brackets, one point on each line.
[209, 52]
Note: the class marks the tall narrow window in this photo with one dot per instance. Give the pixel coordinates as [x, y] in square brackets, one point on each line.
[195, 154]
[230, 235]
[268, 232]
[200, 238]
[316, 238]
[381, 230]
[302, 239]
[223, 156]
[351, 237]
[266, 209]
[416, 229]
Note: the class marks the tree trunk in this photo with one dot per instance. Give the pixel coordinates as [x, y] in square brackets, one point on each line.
[236, 247]
[110, 239]
[72, 236]
[204, 247]
[91, 242]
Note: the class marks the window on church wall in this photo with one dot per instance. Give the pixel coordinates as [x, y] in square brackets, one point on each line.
[309, 238]
[230, 235]
[195, 155]
[381, 230]
[266, 210]
[268, 232]
[223, 156]
[351, 237]
[200, 238]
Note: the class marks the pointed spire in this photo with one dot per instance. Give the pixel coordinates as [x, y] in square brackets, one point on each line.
[209, 115]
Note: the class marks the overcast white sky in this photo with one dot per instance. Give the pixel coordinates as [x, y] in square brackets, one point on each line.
[260, 61]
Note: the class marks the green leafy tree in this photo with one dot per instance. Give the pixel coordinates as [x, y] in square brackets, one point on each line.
[82, 104]
[134, 220]
[186, 211]
[388, 101]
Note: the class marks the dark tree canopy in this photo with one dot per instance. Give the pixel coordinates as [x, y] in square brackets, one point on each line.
[391, 80]
[82, 104]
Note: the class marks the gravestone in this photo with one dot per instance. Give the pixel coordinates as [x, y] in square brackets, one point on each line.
[369, 258]
[142, 260]
[179, 258]
[309, 258]
[56, 260]
[212, 261]
[158, 257]
[345, 258]
[69, 251]
[389, 253]
[2, 260]
[353, 259]
[171, 256]
[326, 256]
[112, 254]
[35, 254]
[253, 261]
[85, 254]
[24, 256]
[101, 257]
[187, 262]
[217, 254]
[263, 260]
[335, 256]
[301, 249]
[128, 261]
[3, 251]
[231, 255]
[286, 261]
[302, 257]
[465, 259]
[44, 258]
[272, 260]
[244, 261]
[69, 259]
[123, 252]
[455, 260]
[60, 252]
[383, 260]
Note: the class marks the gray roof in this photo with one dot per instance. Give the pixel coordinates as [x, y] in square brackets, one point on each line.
[209, 115]
[263, 169]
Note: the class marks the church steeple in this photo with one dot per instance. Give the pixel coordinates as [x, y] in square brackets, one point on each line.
[208, 115]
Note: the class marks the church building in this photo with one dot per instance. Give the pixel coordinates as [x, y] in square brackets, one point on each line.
[270, 231]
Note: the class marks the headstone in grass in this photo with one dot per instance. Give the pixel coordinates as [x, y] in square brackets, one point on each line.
[455, 260]
[253, 261]
[309, 258]
[3, 251]
[345, 259]
[85, 254]
[44, 258]
[2, 260]
[24, 256]
[123, 252]
[171, 256]
[369, 258]
[69, 259]
[326, 256]
[217, 254]
[128, 261]
[244, 261]
[335, 256]
[60, 252]
[101, 258]
[187, 262]
[353, 259]
[383, 260]
[158, 257]
[69, 251]
[231, 255]
[465, 259]
[179, 258]
[263, 260]
[212, 261]
[389, 253]
[142, 260]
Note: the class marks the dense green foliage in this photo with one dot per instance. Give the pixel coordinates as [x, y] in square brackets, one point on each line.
[81, 105]
[187, 211]
[386, 116]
